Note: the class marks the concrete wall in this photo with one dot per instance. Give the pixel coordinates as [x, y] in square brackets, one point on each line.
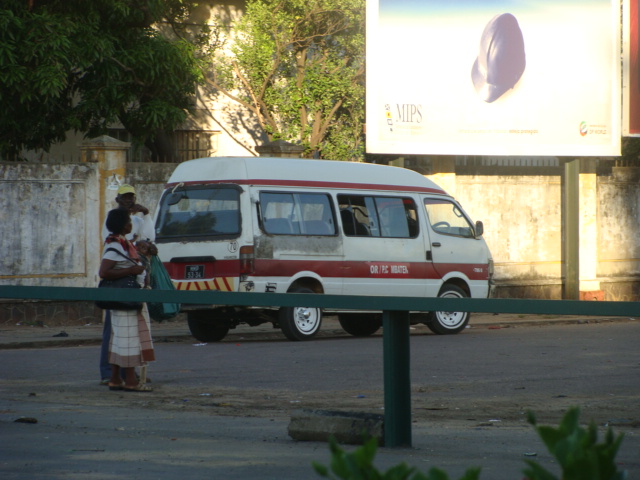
[522, 218]
[619, 233]
[47, 214]
[50, 219]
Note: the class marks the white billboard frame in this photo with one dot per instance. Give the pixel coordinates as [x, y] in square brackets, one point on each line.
[420, 91]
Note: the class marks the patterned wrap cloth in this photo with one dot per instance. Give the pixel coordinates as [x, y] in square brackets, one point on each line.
[130, 344]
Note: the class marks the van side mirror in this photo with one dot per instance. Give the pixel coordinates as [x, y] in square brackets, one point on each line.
[175, 198]
[479, 229]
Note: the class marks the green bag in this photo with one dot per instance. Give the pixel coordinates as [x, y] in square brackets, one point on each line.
[159, 280]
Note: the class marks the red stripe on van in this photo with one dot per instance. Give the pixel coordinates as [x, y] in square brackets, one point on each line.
[340, 269]
[316, 184]
[333, 269]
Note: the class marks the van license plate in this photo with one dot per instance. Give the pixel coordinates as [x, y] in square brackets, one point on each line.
[194, 271]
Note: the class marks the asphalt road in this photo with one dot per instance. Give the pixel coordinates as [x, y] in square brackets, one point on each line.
[221, 410]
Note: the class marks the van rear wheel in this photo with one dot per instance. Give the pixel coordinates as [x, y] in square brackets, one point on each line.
[444, 323]
[360, 324]
[300, 323]
[206, 329]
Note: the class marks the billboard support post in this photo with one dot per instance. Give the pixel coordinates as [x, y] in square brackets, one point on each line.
[571, 230]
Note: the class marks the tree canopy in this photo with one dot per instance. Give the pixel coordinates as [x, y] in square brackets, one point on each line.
[298, 66]
[82, 65]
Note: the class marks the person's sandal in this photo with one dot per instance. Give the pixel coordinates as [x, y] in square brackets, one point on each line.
[116, 386]
[142, 388]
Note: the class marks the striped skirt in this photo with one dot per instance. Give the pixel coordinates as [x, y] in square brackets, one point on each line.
[131, 344]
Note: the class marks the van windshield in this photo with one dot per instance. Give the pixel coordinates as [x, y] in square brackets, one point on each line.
[447, 218]
[199, 211]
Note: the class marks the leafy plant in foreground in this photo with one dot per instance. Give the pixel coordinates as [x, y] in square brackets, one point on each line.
[358, 465]
[576, 449]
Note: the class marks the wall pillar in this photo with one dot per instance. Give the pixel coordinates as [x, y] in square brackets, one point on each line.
[589, 285]
[111, 156]
[444, 173]
[446, 181]
[280, 148]
[441, 170]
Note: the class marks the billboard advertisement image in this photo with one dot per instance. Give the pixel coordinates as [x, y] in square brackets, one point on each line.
[473, 77]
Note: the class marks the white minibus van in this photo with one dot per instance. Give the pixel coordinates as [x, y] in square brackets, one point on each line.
[264, 224]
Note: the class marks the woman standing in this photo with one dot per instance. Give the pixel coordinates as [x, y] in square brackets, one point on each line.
[130, 345]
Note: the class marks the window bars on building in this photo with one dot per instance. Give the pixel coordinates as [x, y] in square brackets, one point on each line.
[172, 147]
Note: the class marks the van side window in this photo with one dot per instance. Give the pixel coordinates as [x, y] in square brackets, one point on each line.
[446, 217]
[369, 216]
[196, 212]
[296, 213]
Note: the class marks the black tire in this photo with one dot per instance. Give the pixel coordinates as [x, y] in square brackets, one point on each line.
[300, 323]
[446, 323]
[360, 324]
[205, 328]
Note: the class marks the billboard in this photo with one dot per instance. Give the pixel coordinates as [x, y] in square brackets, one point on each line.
[474, 77]
[630, 71]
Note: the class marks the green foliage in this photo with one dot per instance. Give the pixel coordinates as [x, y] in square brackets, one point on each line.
[72, 64]
[358, 465]
[577, 451]
[299, 67]
[575, 448]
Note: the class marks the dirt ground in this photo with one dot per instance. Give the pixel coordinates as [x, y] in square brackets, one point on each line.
[456, 423]
[267, 403]
[429, 403]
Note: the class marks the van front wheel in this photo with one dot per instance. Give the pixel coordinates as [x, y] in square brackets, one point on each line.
[300, 323]
[206, 329]
[444, 323]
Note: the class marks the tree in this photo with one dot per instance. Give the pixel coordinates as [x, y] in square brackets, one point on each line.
[298, 66]
[78, 65]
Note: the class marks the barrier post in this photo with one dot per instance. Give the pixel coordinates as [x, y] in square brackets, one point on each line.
[397, 380]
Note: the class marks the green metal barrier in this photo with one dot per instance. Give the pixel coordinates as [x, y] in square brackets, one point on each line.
[397, 383]
[349, 302]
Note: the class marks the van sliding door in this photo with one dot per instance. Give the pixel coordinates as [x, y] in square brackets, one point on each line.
[383, 249]
[300, 239]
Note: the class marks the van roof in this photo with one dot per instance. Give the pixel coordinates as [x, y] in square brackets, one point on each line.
[276, 171]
